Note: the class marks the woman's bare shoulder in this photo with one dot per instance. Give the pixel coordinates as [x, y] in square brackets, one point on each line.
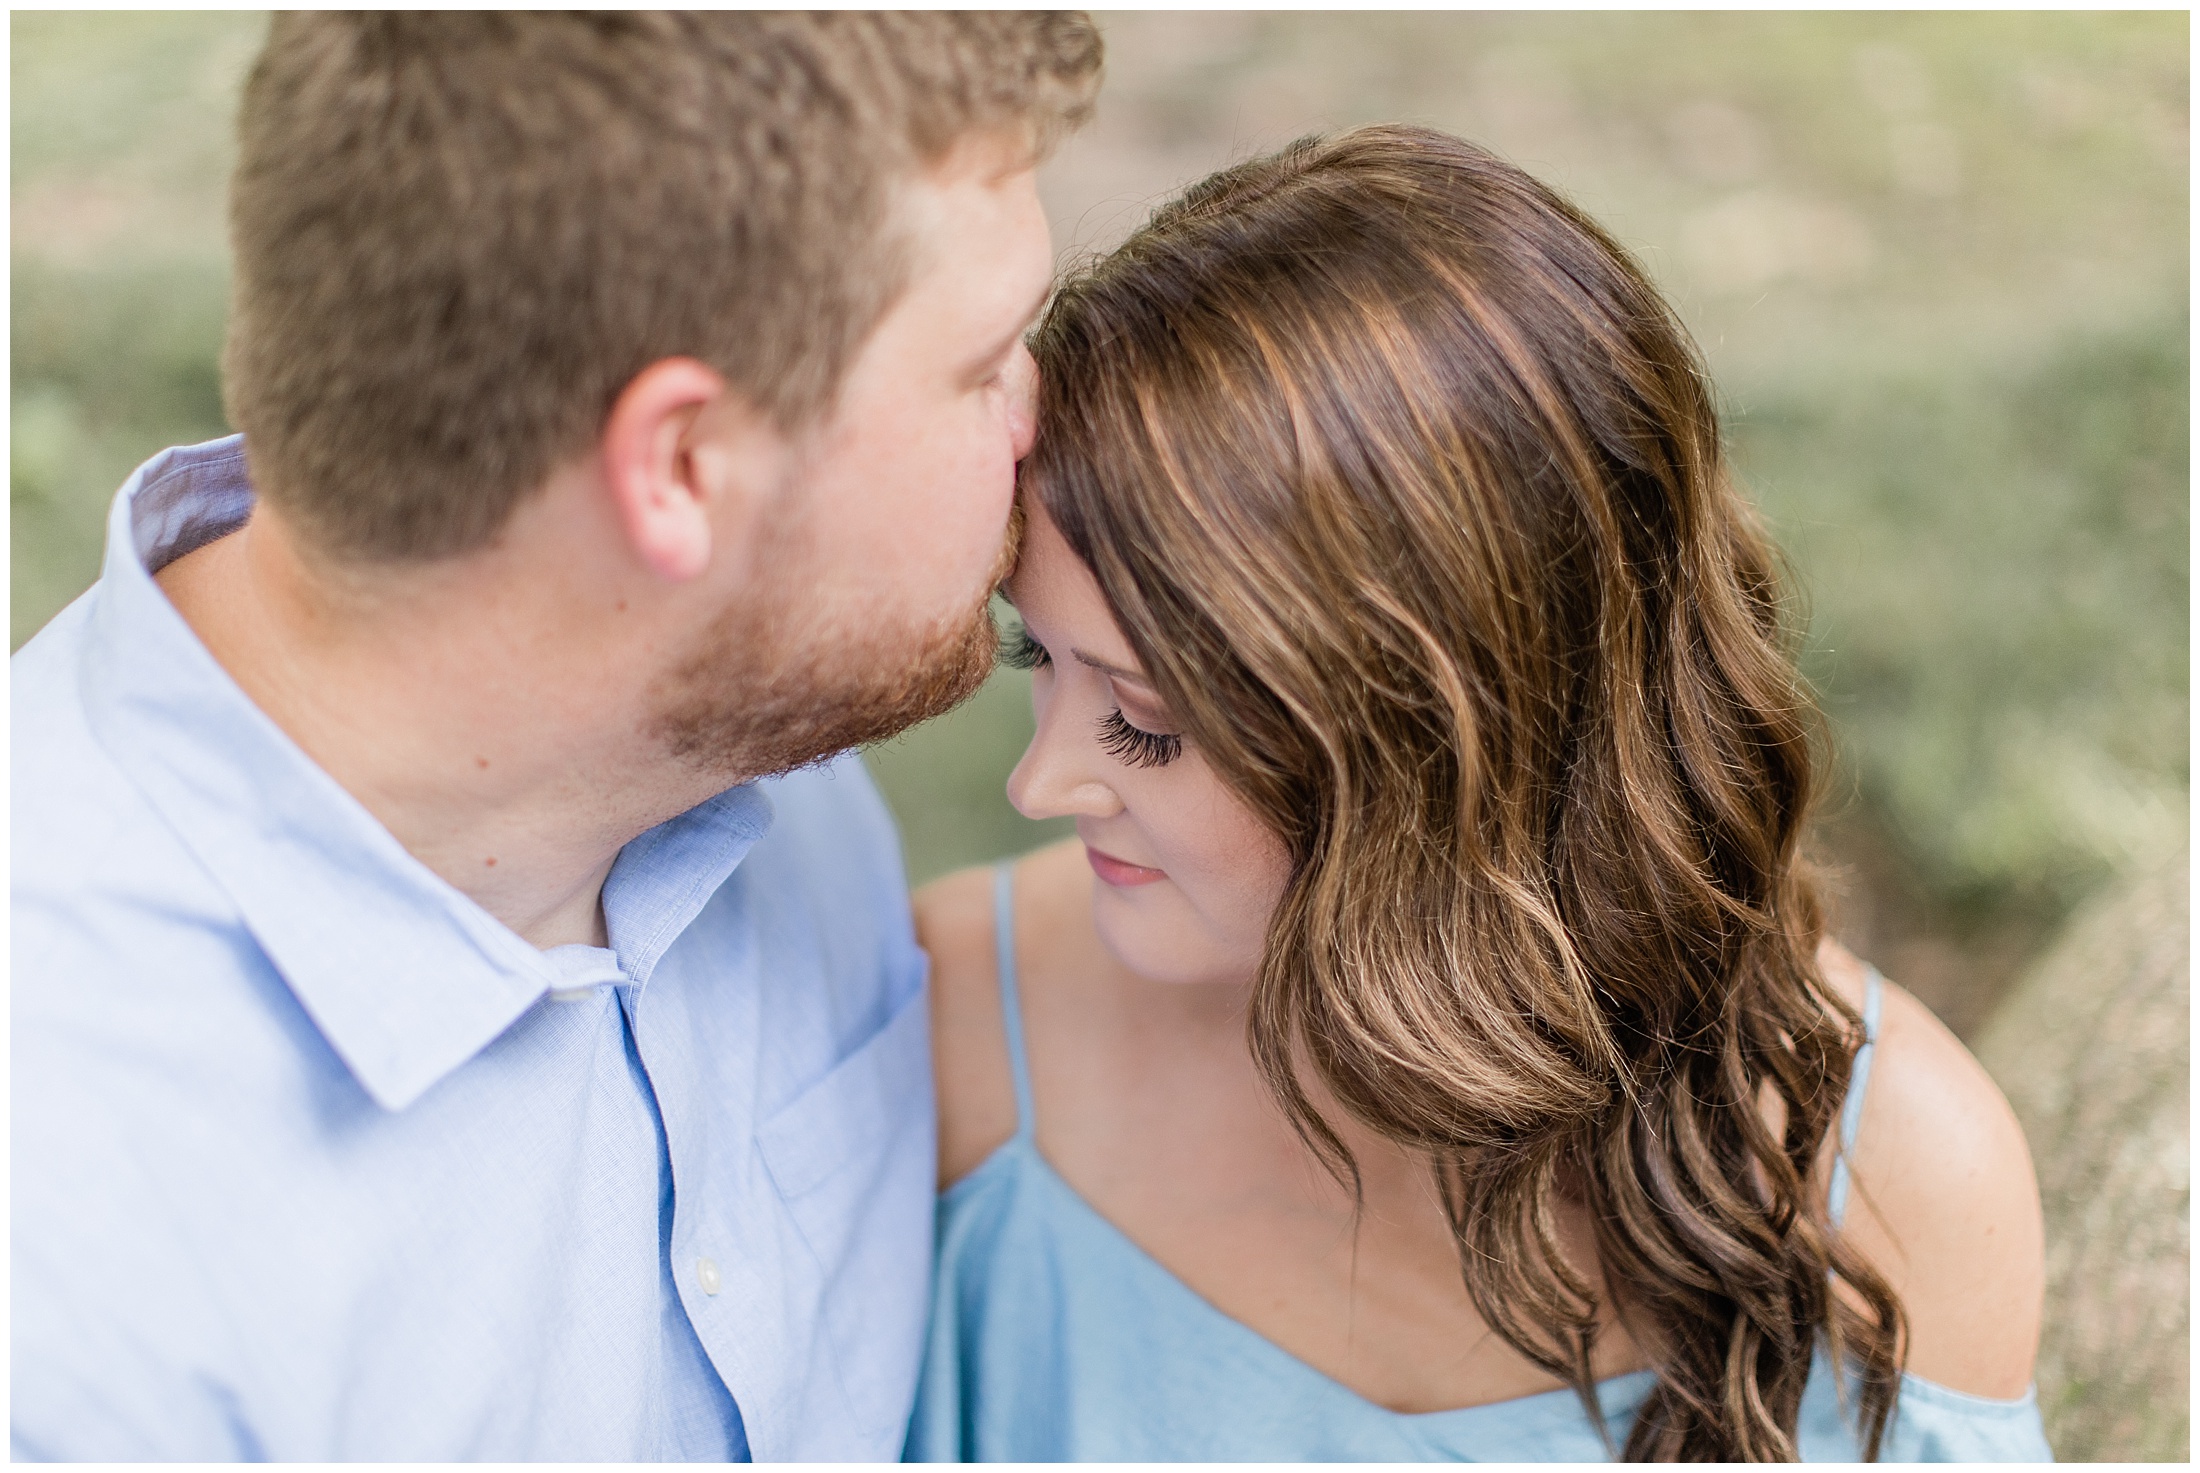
[957, 927]
[969, 1047]
[1943, 1200]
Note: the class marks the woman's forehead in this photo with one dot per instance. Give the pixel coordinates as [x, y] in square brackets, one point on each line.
[1051, 586]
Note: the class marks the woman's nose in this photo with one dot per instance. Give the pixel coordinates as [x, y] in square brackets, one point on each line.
[1058, 776]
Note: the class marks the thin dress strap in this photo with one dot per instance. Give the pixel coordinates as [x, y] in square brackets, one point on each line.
[1852, 1109]
[1012, 1013]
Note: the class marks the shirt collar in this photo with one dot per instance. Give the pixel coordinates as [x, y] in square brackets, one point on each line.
[406, 977]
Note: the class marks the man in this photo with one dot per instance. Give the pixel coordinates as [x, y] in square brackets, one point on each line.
[431, 1039]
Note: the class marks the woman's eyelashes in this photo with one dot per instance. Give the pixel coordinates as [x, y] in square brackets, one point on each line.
[1118, 738]
[1127, 743]
[1019, 651]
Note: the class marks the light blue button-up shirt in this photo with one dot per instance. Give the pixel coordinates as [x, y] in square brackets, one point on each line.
[312, 1158]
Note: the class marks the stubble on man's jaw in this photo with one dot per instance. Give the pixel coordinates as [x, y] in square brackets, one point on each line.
[765, 693]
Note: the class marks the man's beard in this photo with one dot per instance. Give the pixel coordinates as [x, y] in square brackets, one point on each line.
[761, 693]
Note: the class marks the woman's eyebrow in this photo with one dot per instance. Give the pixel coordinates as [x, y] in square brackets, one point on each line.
[1106, 669]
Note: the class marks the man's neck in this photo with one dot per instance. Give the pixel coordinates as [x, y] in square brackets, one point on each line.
[435, 705]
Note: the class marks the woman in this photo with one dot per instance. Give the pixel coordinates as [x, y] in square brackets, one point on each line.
[1430, 1047]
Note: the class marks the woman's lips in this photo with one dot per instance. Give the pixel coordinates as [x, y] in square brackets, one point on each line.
[1120, 872]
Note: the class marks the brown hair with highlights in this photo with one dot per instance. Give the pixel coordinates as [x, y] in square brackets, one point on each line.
[1407, 489]
[458, 235]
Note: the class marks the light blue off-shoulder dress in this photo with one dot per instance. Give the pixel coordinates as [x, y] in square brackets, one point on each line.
[1054, 1337]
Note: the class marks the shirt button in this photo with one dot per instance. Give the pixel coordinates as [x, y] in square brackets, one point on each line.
[706, 1274]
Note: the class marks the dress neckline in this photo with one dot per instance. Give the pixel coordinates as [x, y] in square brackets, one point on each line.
[1619, 1395]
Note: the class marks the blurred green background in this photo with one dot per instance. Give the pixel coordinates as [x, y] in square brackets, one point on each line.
[1938, 263]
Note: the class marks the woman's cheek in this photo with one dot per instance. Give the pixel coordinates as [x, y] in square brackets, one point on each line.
[1236, 867]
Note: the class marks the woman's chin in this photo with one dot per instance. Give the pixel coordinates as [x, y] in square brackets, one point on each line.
[1150, 933]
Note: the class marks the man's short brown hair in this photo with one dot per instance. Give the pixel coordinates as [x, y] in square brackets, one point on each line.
[459, 236]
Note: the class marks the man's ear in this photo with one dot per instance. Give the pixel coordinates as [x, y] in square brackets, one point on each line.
[676, 450]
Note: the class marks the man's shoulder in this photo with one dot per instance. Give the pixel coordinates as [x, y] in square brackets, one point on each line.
[136, 983]
[127, 957]
[83, 837]
[56, 764]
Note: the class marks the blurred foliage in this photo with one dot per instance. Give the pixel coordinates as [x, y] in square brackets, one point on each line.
[1938, 263]
[109, 366]
[120, 138]
[1996, 567]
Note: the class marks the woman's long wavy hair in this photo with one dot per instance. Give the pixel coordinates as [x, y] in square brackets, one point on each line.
[1406, 487]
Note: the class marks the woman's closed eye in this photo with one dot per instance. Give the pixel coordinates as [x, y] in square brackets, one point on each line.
[1135, 745]
[1126, 743]
[1019, 651]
